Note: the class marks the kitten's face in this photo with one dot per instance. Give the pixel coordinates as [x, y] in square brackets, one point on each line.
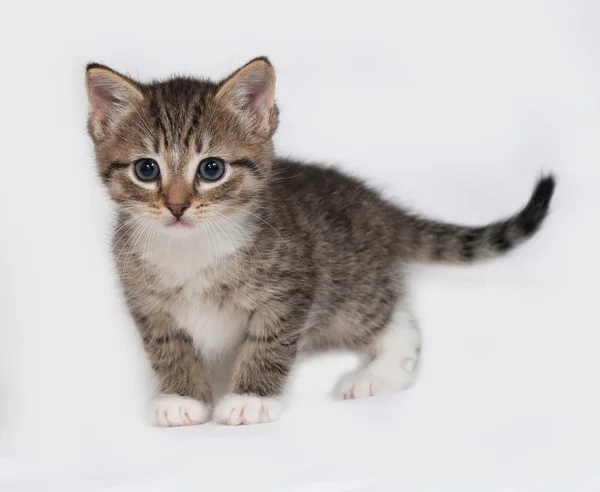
[183, 152]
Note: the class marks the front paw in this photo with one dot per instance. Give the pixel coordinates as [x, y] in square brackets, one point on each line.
[176, 411]
[236, 409]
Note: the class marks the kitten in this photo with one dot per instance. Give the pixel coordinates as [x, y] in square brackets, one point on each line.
[224, 248]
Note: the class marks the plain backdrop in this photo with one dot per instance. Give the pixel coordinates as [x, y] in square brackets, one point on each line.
[453, 108]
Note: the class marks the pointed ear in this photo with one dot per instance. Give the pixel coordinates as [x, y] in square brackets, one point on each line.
[250, 92]
[111, 96]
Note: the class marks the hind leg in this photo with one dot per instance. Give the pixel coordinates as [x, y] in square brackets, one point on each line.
[392, 367]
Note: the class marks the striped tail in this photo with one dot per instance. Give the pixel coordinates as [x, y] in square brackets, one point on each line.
[428, 241]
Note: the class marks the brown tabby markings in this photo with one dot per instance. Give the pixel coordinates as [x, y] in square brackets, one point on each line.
[174, 357]
[282, 256]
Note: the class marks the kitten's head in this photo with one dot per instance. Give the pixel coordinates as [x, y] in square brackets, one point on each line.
[180, 151]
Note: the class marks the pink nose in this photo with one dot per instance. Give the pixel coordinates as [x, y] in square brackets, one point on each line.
[177, 209]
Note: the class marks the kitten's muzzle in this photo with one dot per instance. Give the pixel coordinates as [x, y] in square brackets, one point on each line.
[178, 209]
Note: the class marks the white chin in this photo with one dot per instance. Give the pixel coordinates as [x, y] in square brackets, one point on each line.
[179, 229]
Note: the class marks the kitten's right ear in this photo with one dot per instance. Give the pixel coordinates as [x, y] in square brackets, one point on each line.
[111, 96]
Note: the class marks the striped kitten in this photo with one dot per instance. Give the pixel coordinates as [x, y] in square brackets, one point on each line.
[224, 248]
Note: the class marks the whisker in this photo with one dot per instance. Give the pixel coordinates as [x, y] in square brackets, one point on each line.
[146, 251]
[135, 234]
[216, 224]
[135, 227]
[214, 246]
[246, 244]
[132, 249]
[254, 215]
[129, 221]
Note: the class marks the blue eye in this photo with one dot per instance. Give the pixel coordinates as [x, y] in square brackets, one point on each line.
[211, 169]
[146, 169]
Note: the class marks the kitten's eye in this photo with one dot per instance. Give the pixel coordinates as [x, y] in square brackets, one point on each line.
[211, 169]
[146, 170]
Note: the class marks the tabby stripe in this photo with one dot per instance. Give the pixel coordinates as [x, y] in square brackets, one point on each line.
[196, 113]
[247, 164]
[281, 339]
[112, 167]
[441, 238]
[168, 122]
[275, 366]
[500, 239]
[260, 338]
[467, 251]
[155, 110]
[416, 238]
[178, 336]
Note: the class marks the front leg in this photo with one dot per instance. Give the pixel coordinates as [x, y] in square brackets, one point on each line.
[185, 394]
[262, 367]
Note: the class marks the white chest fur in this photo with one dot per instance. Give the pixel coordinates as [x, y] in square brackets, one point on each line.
[215, 330]
[181, 262]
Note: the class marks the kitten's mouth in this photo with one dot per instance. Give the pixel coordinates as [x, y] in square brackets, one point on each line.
[178, 224]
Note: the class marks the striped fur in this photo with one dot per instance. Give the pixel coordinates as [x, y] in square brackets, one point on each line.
[274, 258]
[435, 242]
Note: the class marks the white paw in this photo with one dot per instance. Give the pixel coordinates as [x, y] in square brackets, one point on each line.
[175, 411]
[246, 409]
[370, 382]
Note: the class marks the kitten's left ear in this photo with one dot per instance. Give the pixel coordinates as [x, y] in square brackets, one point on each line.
[250, 92]
[111, 96]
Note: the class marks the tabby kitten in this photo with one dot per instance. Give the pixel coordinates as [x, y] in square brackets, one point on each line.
[224, 248]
